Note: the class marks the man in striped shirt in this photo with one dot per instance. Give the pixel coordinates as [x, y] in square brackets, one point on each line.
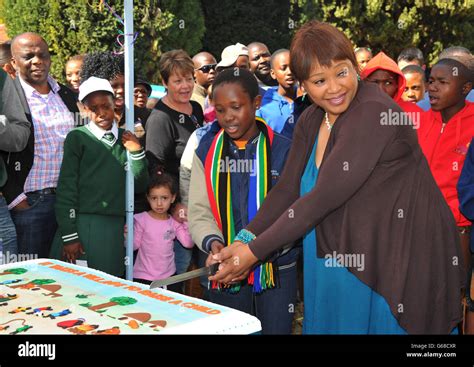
[33, 173]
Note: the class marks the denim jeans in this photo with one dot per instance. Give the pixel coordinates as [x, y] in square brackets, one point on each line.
[182, 257]
[36, 225]
[274, 307]
[8, 241]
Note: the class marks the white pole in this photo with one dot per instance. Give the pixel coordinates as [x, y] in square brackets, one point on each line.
[130, 125]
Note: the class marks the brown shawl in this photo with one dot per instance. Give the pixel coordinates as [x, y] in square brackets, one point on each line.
[375, 196]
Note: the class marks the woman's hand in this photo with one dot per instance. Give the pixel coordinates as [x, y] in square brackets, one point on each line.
[236, 262]
[72, 251]
[130, 142]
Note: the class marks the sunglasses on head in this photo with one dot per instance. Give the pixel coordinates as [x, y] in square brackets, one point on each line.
[207, 68]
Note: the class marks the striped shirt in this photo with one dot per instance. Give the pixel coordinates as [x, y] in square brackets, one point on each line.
[52, 120]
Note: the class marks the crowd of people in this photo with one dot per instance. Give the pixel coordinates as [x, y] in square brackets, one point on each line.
[357, 166]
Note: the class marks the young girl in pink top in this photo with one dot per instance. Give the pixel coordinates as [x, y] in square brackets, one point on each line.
[155, 232]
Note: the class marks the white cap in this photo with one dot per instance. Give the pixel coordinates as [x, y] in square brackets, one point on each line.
[231, 53]
[94, 84]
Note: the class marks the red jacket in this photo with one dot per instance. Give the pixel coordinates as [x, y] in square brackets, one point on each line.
[445, 147]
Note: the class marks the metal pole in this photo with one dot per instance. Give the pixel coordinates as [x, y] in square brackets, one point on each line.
[130, 125]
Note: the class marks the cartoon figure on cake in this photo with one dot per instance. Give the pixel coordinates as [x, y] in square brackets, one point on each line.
[39, 311]
[82, 329]
[112, 331]
[20, 309]
[21, 329]
[5, 298]
[58, 314]
[70, 323]
[12, 281]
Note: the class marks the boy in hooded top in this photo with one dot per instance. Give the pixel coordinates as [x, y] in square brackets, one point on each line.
[445, 134]
[385, 72]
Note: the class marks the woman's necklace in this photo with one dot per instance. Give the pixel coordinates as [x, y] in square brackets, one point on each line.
[193, 118]
[326, 120]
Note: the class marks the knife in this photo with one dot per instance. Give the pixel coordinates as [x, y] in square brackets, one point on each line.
[207, 270]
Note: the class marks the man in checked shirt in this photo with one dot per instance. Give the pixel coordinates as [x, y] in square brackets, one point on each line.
[33, 172]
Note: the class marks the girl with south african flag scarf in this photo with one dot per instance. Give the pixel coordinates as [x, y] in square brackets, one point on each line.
[235, 165]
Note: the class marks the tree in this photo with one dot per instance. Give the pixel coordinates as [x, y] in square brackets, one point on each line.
[392, 25]
[121, 301]
[34, 283]
[72, 27]
[16, 271]
[187, 26]
[229, 21]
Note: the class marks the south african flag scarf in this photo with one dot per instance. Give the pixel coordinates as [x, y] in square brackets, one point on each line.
[218, 185]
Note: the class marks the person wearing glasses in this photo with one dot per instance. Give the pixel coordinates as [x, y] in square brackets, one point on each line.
[204, 74]
[141, 92]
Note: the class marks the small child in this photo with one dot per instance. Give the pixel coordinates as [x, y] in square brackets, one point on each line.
[155, 232]
[90, 197]
[363, 56]
[73, 72]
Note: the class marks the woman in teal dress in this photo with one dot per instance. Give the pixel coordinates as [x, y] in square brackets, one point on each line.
[325, 286]
[380, 242]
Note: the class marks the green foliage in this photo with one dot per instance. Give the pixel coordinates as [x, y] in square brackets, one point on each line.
[187, 26]
[42, 281]
[123, 301]
[392, 25]
[16, 271]
[229, 21]
[73, 27]
[79, 26]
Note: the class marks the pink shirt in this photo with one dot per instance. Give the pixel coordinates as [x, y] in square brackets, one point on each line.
[154, 240]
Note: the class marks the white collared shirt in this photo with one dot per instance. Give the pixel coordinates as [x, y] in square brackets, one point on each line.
[99, 132]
